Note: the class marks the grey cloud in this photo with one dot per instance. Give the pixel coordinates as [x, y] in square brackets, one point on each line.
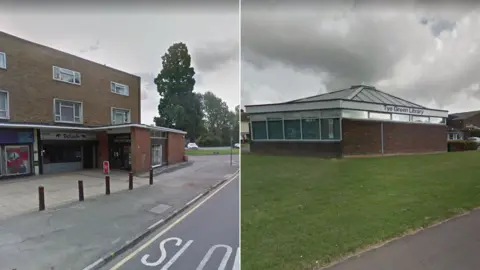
[214, 55]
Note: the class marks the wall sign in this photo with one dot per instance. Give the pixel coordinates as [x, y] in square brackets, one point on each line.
[121, 138]
[16, 136]
[67, 136]
[398, 109]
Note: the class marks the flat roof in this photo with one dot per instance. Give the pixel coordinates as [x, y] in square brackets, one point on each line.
[86, 128]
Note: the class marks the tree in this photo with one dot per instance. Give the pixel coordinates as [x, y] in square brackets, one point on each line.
[179, 106]
[219, 120]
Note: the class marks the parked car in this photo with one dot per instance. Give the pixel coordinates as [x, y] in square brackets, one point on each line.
[476, 140]
[237, 145]
[192, 146]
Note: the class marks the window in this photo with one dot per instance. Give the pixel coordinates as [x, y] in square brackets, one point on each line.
[400, 117]
[120, 116]
[437, 120]
[330, 129]
[275, 129]
[119, 88]
[61, 154]
[293, 130]
[4, 112]
[420, 119]
[354, 114]
[66, 75]
[311, 129]
[379, 116]
[68, 111]
[454, 136]
[3, 60]
[17, 159]
[259, 130]
[157, 152]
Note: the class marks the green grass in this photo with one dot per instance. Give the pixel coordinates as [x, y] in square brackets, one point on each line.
[204, 152]
[298, 213]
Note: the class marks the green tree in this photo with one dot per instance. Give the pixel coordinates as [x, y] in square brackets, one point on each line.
[219, 120]
[179, 106]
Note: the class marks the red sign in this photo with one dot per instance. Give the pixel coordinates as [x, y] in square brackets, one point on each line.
[106, 167]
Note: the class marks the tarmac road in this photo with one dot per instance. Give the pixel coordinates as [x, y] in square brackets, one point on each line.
[205, 238]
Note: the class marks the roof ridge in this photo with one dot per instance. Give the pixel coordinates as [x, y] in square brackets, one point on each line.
[404, 100]
[314, 96]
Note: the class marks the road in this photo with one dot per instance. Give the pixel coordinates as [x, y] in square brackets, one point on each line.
[204, 238]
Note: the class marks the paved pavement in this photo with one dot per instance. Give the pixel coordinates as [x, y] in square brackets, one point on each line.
[207, 238]
[454, 244]
[76, 234]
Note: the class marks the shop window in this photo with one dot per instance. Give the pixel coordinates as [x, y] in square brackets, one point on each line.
[354, 114]
[400, 117]
[420, 119]
[311, 129]
[61, 154]
[275, 129]
[330, 129]
[17, 159]
[293, 130]
[157, 155]
[259, 130]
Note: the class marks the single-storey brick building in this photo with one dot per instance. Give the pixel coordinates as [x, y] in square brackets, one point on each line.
[360, 120]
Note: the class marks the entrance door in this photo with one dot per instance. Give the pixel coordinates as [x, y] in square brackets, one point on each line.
[88, 157]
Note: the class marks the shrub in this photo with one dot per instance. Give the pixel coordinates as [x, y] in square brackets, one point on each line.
[209, 141]
[462, 145]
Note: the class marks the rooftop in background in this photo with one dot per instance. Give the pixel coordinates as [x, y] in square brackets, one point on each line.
[463, 115]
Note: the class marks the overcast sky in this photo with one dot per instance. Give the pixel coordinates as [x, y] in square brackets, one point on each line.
[133, 40]
[427, 54]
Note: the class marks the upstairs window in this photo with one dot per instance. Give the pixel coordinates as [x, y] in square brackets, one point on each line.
[3, 60]
[4, 112]
[66, 75]
[68, 111]
[119, 88]
[120, 116]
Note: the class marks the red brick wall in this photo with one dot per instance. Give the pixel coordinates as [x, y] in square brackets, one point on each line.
[175, 147]
[365, 138]
[102, 138]
[141, 150]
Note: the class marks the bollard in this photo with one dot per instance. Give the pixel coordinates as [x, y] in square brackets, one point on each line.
[151, 177]
[80, 190]
[107, 184]
[130, 180]
[41, 198]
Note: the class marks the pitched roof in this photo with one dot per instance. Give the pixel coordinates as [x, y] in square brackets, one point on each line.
[463, 115]
[362, 93]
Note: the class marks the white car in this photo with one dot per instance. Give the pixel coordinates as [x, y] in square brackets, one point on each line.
[192, 146]
[474, 139]
[237, 145]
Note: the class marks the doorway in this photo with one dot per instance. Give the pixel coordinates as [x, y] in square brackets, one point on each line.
[88, 156]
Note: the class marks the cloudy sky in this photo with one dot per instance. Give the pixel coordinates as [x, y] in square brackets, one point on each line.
[426, 53]
[133, 39]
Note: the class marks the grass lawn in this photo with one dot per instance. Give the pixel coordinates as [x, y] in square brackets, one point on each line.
[298, 213]
[205, 152]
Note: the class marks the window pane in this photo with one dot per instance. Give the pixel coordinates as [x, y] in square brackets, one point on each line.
[67, 77]
[66, 114]
[3, 101]
[354, 114]
[379, 116]
[77, 109]
[119, 118]
[292, 129]
[401, 117]
[275, 129]
[259, 130]
[311, 129]
[3, 60]
[330, 129]
[77, 77]
[420, 119]
[3, 114]
[437, 120]
[18, 159]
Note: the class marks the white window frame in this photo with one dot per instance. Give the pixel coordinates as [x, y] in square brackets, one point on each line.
[4, 56]
[120, 109]
[66, 70]
[7, 105]
[113, 88]
[55, 114]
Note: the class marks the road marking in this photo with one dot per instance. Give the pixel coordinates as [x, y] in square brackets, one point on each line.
[155, 224]
[194, 199]
[223, 264]
[153, 239]
[236, 263]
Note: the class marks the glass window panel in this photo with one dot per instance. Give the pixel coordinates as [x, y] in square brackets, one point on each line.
[420, 119]
[400, 117]
[57, 107]
[330, 129]
[259, 130]
[292, 129]
[3, 60]
[77, 77]
[77, 109]
[311, 129]
[437, 120]
[275, 129]
[355, 114]
[66, 113]
[379, 116]
[3, 100]
[3, 114]
[17, 159]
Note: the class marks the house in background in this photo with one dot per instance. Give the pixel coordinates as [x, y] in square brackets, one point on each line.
[463, 125]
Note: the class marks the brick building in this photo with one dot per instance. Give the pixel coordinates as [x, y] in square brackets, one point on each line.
[463, 125]
[60, 113]
[360, 120]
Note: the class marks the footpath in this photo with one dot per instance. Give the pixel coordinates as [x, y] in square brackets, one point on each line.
[76, 234]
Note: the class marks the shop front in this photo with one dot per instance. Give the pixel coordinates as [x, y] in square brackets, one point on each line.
[16, 147]
[67, 151]
[159, 150]
[120, 155]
